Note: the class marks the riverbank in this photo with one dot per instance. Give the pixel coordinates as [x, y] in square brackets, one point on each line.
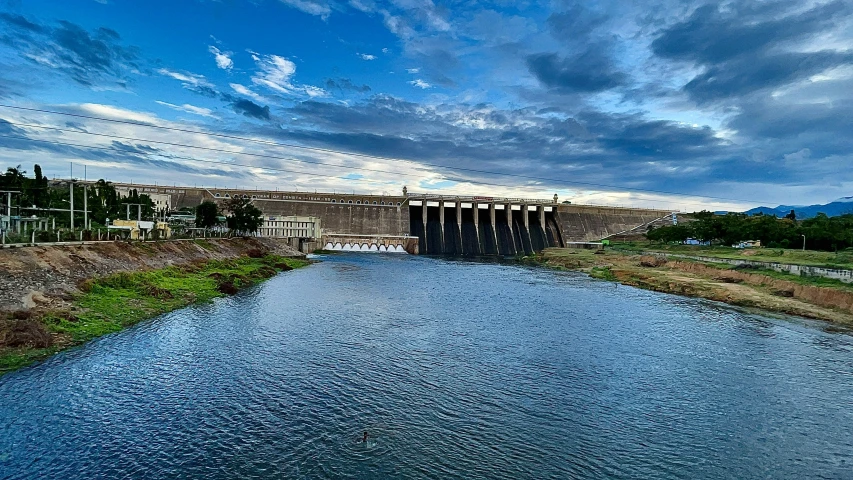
[70, 295]
[810, 297]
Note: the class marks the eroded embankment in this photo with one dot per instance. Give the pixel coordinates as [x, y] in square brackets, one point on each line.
[66, 295]
[769, 291]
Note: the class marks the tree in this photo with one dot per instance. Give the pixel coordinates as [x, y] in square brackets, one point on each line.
[205, 215]
[792, 215]
[245, 218]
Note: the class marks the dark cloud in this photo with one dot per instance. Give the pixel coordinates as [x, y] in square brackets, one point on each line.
[342, 84]
[590, 71]
[750, 46]
[251, 109]
[546, 142]
[89, 58]
[711, 36]
[574, 23]
[751, 73]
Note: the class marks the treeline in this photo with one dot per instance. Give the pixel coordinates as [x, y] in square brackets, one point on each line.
[821, 232]
[37, 197]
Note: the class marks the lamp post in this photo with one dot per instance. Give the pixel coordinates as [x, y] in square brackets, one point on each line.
[804, 242]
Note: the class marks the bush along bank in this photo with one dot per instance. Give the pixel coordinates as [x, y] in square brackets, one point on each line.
[111, 303]
[771, 291]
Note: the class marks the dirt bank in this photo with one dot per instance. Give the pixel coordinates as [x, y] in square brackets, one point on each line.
[47, 277]
[743, 288]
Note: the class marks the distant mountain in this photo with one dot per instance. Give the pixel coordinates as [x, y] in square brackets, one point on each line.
[832, 209]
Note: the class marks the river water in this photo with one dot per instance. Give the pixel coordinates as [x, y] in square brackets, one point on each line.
[456, 369]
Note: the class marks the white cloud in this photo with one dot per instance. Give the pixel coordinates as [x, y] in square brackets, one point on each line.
[223, 59]
[189, 79]
[365, 56]
[310, 7]
[115, 113]
[242, 90]
[313, 91]
[204, 112]
[385, 50]
[275, 73]
[413, 70]
[420, 84]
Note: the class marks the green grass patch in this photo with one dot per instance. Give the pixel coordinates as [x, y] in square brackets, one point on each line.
[204, 244]
[112, 303]
[602, 273]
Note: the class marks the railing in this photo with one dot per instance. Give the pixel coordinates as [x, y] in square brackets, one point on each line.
[464, 198]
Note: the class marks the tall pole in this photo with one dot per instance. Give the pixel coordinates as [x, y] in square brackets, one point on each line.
[804, 242]
[71, 190]
[85, 206]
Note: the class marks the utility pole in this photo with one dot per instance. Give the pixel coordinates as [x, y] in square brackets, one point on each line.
[71, 190]
[804, 242]
[85, 206]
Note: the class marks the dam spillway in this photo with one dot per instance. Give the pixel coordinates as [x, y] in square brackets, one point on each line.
[484, 227]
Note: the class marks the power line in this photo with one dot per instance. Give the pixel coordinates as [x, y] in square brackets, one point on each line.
[272, 169]
[323, 150]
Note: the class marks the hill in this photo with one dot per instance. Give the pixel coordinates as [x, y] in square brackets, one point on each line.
[832, 209]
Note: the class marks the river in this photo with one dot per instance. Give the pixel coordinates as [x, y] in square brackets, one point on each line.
[456, 369]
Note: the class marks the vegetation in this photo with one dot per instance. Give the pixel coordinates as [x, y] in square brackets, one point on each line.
[206, 215]
[111, 303]
[245, 218]
[821, 232]
[841, 259]
[37, 197]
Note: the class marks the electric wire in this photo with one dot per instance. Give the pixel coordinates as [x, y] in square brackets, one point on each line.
[338, 152]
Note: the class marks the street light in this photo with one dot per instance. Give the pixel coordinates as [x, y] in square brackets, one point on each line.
[804, 242]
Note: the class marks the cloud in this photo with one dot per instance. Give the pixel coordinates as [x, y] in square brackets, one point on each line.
[190, 80]
[311, 7]
[274, 73]
[588, 72]
[744, 48]
[251, 109]
[314, 92]
[413, 70]
[90, 58]
[365, 56]
[204, 112]
[420, 83]
[223, 59]
[342, 84]
[242, 90]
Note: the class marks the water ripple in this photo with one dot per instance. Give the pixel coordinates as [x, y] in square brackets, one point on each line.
[456, 370]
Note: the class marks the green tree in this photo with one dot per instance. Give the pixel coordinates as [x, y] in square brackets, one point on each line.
[245, 218]
[206, 215]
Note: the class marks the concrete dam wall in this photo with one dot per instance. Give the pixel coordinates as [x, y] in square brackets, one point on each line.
[443, 225]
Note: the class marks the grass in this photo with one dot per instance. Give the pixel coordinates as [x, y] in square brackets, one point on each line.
[843, 259]
[602, 273]
[112, 303]
[204, 244]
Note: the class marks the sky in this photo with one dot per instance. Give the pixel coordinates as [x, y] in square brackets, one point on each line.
[674, 104]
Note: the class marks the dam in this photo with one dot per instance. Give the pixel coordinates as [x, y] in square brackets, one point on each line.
[419, 223]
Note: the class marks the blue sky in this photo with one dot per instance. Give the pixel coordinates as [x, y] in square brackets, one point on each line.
[610, 102]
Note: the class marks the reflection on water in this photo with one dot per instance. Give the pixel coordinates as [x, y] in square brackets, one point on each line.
[456, 369]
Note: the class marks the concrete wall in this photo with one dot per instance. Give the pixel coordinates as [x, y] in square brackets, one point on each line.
[389, 214]
[584, 224]
[344, 218]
